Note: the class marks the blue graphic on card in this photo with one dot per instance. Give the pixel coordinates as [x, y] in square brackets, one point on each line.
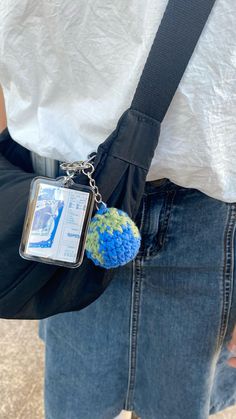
[47, 216]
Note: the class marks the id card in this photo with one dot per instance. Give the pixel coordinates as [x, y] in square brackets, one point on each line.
[56, 222]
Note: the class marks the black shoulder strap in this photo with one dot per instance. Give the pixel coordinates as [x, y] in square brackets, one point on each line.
[177, 36]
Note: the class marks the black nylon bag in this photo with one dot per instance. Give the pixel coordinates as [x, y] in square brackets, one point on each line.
[31, 290]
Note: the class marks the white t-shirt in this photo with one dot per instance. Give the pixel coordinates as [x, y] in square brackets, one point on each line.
[69, 69]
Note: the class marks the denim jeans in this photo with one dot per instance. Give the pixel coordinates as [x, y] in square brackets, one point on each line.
[155, 341]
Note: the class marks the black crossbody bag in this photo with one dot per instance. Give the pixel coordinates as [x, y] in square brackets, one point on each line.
[32, 290]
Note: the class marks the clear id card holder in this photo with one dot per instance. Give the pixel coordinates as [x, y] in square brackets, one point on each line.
[57, 218]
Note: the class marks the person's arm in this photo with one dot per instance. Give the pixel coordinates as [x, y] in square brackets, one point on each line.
[232, 348]
[3, 118]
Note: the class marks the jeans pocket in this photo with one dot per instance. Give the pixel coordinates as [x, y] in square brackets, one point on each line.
[157, 209]
[165, 214]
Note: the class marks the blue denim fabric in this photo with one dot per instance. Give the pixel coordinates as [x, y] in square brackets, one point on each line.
[155, 341]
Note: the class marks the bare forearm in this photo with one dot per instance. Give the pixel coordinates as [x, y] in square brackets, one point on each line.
[3, 118]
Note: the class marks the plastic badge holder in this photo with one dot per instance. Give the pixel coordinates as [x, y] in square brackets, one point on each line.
[56, 222]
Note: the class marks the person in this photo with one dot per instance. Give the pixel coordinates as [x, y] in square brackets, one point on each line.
[3, 117]
[161, 340]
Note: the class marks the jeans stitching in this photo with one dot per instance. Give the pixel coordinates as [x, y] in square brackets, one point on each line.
[134, 321]
[228, 272]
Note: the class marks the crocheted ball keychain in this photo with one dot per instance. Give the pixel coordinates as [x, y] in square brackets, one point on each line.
[113, 239]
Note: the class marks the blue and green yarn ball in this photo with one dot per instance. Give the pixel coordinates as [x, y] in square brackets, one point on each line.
[113, 238]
